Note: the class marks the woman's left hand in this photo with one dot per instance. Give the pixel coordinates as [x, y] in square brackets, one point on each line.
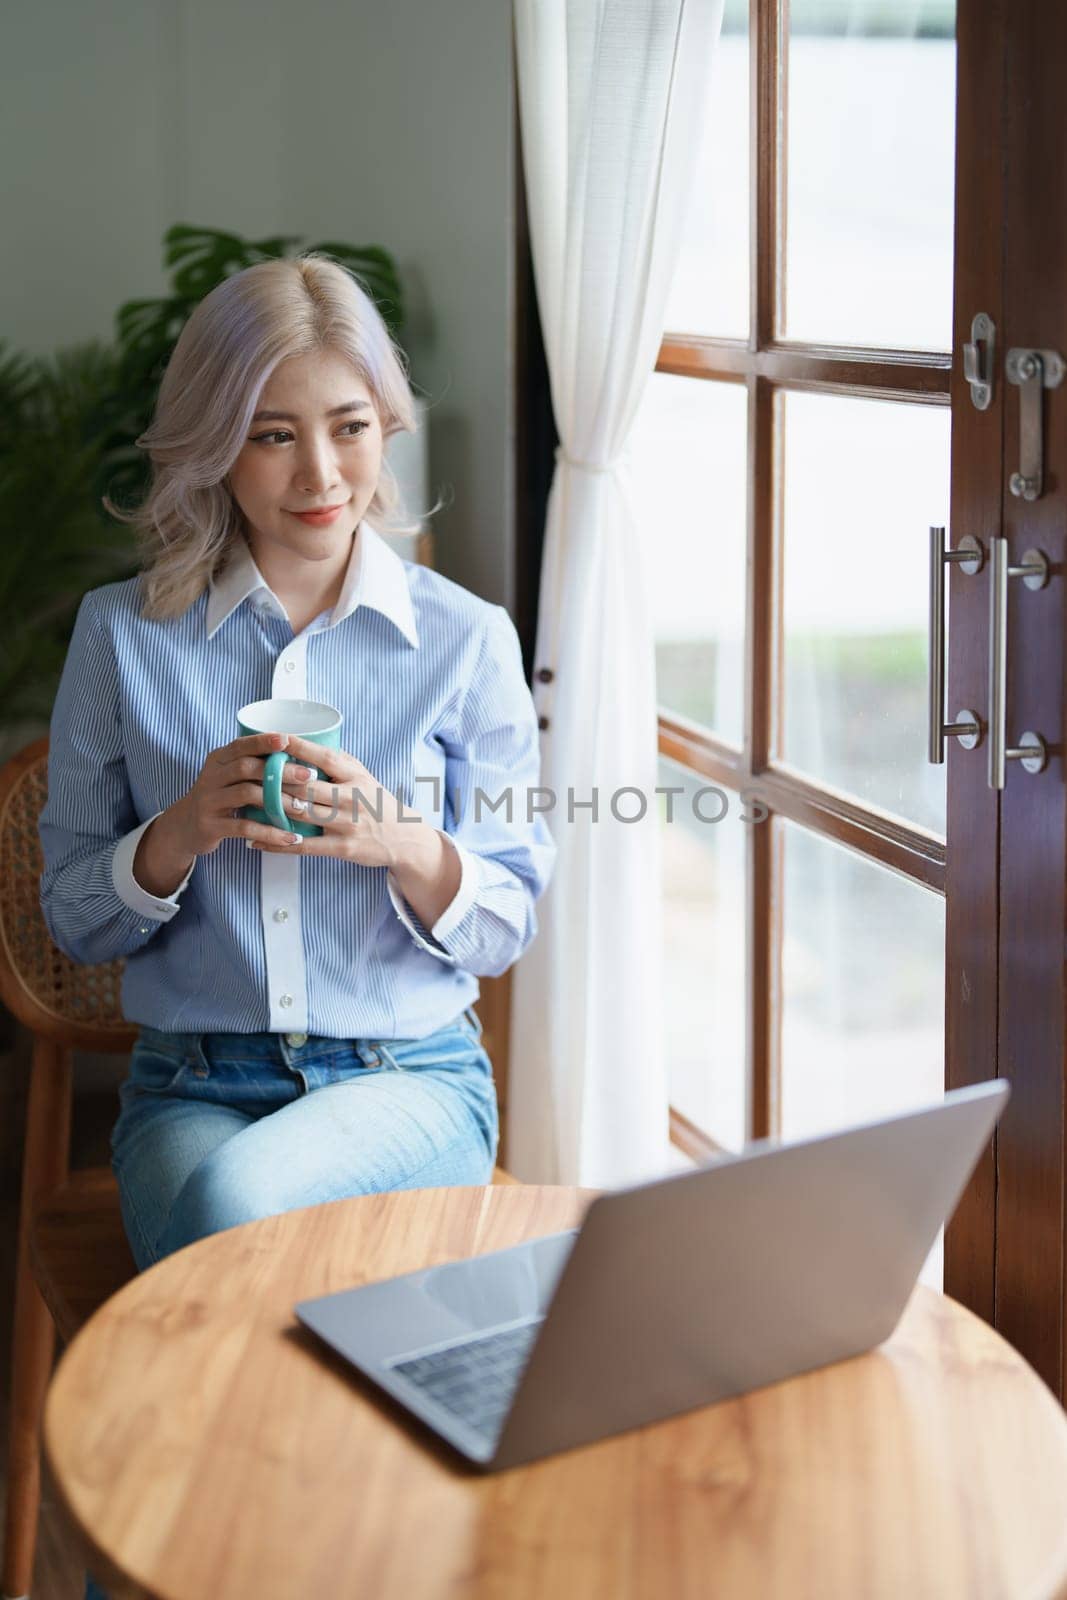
[347, 803]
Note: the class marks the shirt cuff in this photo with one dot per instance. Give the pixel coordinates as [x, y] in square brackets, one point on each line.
[433, 940]
[129, 890]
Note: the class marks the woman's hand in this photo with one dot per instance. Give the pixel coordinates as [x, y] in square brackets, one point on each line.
[196, 825]
[362, 822]
[230, 778]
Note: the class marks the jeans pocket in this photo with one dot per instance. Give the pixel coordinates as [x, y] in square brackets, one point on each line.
[456, 1047]
[156, 1069]
[458, 1065]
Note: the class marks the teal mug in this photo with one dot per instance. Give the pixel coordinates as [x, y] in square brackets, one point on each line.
[306, 719]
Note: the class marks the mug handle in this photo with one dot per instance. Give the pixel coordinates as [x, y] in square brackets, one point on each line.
[272, 790]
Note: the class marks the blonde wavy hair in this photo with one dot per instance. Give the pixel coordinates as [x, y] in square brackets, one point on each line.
[189, 522]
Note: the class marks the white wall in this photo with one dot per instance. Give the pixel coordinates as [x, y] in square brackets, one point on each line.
[386, 123]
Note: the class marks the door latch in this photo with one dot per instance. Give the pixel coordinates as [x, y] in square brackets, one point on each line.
[1032, 371]
[978, 357]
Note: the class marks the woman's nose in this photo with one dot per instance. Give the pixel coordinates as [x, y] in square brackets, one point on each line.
[317, 467]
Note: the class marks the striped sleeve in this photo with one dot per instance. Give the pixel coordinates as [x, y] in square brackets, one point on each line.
[492, 762]
[89, 828]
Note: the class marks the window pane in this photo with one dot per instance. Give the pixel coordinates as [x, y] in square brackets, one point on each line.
[863, 992]
[709, 293]
[687, 473]
[870, 172]
[864, 480]
[704, 955]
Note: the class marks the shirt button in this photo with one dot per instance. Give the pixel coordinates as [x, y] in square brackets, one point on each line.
[144, 930]
[290, 666]
[285, 1000]
[281, 915]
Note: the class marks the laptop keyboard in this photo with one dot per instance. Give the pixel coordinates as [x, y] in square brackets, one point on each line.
[474, 1380]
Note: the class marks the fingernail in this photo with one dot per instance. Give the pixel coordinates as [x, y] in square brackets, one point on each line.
[298, 772]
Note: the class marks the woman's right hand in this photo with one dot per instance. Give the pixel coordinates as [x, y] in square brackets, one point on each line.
[231, 778]
[196, 825]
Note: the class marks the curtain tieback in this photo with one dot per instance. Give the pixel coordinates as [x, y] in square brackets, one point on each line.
[586, 466]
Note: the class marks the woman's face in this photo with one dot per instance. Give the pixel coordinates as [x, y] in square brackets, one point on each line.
[315, 442]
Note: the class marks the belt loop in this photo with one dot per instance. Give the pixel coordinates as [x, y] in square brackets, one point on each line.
[367, 1054]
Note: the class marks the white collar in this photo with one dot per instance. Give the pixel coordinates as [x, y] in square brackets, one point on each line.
[374, 577]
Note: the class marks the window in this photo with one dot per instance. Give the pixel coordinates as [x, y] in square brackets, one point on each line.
[790, 455]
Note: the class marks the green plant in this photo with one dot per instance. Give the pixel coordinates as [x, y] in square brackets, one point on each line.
[55, 541]
[70, 425]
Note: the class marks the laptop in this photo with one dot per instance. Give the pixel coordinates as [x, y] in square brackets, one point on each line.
[672, 1294]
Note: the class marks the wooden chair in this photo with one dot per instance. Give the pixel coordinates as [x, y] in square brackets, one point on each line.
[72, 1248]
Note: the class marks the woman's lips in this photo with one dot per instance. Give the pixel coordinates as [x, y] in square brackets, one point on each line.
[319, 519]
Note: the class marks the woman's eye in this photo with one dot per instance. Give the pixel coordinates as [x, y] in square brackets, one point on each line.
[282, 433]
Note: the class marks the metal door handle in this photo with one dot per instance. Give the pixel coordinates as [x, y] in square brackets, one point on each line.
[967, 727]
[1031, 749]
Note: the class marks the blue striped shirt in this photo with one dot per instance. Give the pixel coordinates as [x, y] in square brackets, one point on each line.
[430, 683]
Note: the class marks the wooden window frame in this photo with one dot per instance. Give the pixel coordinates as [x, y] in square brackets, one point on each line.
[770, 367]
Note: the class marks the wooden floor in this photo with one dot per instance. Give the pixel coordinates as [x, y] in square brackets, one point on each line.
[58, 1571]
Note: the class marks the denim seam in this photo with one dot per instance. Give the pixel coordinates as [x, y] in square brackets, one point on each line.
[433, 1162]
[148, 1249]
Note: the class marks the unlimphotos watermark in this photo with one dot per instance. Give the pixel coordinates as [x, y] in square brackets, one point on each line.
[708, 804]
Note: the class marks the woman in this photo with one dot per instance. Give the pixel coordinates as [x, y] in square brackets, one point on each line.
[306, 1030]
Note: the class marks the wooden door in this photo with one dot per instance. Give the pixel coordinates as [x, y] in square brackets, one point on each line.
[1012, 245]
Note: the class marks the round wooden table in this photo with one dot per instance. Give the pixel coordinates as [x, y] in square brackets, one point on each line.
[205, 1444]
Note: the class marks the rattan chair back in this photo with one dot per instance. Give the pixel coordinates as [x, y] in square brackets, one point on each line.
[76, 1005]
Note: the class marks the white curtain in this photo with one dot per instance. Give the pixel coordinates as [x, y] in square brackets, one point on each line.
[612, 96]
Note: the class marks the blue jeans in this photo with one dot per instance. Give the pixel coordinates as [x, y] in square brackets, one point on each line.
[217, 1129]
